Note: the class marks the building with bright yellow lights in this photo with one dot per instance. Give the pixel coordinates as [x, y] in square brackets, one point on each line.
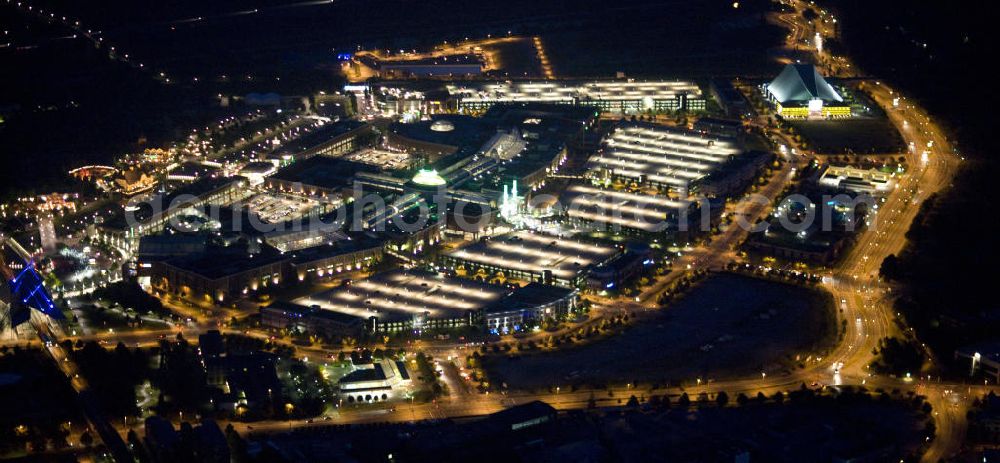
[800, 91]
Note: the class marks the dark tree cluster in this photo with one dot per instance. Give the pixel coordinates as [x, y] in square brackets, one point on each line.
[113, 374]
[181, 377]
[898, 357]
[37, 404]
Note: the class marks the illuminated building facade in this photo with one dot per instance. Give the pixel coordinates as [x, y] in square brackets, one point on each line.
[609, 96]
[872, 181]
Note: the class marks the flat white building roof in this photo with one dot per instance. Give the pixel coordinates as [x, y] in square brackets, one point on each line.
[854, 179]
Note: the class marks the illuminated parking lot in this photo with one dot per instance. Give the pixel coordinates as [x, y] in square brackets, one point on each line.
[388, 160]
[660, 155]
[529, 255]
[275, 209]
[618, 209]
[407, 294]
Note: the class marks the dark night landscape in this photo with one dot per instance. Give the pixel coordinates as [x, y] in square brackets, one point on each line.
[572, 230]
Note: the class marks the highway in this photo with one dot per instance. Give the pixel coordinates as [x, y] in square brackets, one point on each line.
[89, 403]
[856, 284]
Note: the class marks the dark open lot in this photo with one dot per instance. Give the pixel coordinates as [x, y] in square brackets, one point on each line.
[727, 325]
[851, 136]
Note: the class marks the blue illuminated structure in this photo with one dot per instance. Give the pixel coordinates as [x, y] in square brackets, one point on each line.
[28, 288]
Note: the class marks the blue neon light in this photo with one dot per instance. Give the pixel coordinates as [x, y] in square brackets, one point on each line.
[29, 287]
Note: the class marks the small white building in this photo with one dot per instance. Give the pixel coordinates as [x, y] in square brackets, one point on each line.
[871, 181]
[381, 375]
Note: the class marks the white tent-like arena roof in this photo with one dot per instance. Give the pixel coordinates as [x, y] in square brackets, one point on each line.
[801, 83]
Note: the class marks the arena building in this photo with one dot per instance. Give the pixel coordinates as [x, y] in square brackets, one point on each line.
[527, 306]
[800, 91]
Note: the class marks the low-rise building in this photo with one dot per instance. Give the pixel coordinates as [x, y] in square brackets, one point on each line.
[731, 100]
[734, 177]
[287, 315]
[153, 215]
[868, 181]
[167, 246]
[134, 181]
[356, 252]
[443, 66]
[220, 274]
[713, 126]
[319, 178]
[206, 443]
[527, 306]
[619, 211]
[409, 300]
[442, 136]
[377, 376]
[660, 156]
[621, 270]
